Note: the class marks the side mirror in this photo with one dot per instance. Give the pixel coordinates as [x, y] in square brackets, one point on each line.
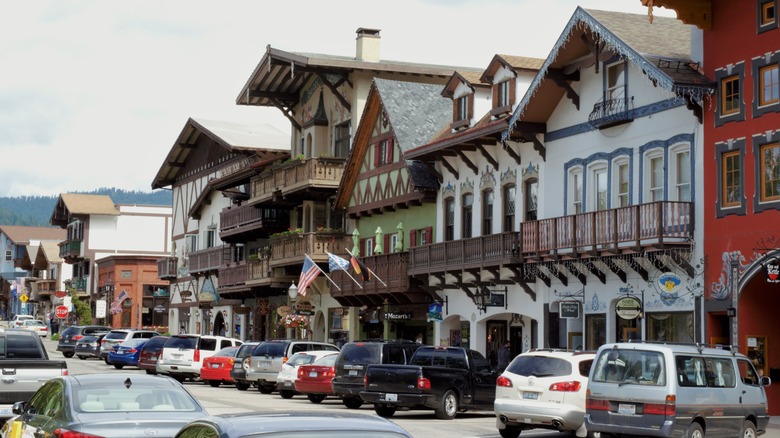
[766, 381]
[18, 408]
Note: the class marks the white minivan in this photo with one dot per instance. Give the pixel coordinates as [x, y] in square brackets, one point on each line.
[665, 390]
[182, 355]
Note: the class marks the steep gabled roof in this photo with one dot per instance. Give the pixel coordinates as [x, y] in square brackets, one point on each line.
[260, 140]
[471, 79]
[666, 61]
[20, 235]
[51, 251]
[516, 63]
[83, 204]
[415, 112]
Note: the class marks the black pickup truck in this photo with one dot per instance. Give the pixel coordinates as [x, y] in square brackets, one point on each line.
[446, 379]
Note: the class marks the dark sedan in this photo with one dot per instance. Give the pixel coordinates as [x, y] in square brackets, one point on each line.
[116, 405]
[293, 425]
[88, 346]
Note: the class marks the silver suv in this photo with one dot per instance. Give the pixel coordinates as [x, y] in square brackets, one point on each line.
[267, 359]
[121, 335]
[543, 389]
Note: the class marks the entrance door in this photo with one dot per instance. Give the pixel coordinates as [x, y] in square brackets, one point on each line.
[496, 334]
[516, 338]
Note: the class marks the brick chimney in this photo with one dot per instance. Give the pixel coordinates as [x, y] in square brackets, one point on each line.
[367, 45]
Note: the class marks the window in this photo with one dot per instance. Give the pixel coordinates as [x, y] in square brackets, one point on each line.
[767, 15]
[463, 108]
[530, 197]
[342, 140]
[616, 81]
[596, 327]
[425, 238]
[368, 247]
[487, 212]
[766, 84]
[393, 243]
[191, 242]
[730, 105]
[9, 254]
[731, 179]
[730, 95]
[449, 219]
[622, 184]
[656, 178]
[503, 94]
[575, 189]
[508, 200]
[210, 236]
[600, 189]
[383, 152]
[770, 172]
[683, 175]
[467, 213]
[768, 88]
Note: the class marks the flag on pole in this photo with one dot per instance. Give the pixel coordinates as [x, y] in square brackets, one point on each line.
[360, 268]
[116, 305]
[336, 263]
[309, 272]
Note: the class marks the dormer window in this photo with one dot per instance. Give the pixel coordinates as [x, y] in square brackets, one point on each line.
[503, 97]
[463, 109]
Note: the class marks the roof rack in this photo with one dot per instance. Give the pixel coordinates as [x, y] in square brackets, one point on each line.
[698, 345]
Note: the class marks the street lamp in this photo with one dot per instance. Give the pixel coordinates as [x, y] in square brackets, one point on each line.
[292, 291]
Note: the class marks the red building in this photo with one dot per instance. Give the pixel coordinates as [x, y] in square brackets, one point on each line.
[741, 54]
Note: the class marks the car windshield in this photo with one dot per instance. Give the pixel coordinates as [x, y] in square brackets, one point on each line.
[270, 349]
[181, 342]
[116, 335]
[539, 366]
[133, 343]
[227, 351]
[327, 361]
[298, 359]
[155, 343]
[134, 398]
[360, 353]
[624, 366]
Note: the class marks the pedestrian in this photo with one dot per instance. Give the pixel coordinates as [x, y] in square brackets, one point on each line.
[504, 356]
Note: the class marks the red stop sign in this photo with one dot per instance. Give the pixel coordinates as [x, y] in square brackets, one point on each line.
[61, 312]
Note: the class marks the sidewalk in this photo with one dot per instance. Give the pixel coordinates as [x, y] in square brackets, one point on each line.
[773, 429]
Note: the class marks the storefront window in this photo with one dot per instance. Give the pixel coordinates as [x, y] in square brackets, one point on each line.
[339, 325]
[671, 327]
[596, 326]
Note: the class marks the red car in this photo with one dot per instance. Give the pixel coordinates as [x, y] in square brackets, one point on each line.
[314, 379]
[216, 369]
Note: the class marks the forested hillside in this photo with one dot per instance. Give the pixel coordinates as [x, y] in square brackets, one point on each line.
[36, 210]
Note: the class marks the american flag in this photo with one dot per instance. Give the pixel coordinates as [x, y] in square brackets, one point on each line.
[309, 272]
[116, 305]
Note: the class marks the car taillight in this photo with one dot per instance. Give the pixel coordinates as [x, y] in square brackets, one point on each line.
[573, 386]
[595, 404]
[284, 359]
[504, 382]
[230, 362]
[330, 372]
[423, 383]
[65, 433]
[77, 337]
[300, 372]
[131, 351]
[196, 356]
[668, 409]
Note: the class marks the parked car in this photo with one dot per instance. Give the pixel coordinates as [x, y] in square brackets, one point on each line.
[446, 379]
[37, 326]
[17, 321]
[89, 346]
[285, 380]
[216, 369]
[126, 353]
[150, 352]
[117, 405]
[314, 380]
[669, 390]
[267, 358]
[118, 336]
[71, 335]
[543, 389]
[182, 355]
[238, 373]
[356, 356]
[293, 424]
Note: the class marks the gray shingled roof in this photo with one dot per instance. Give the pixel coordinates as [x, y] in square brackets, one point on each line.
[416, 112]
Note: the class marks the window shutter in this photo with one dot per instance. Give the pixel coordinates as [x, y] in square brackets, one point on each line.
[495, 94]
[363, 247]
[470, 99]
[376, 154]
[390, 143]
[412, 238]
[429, 235]
[454, 110]
[388, 250]
[512, 91]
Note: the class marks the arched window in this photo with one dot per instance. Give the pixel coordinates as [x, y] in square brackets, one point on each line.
[487, 212]
[530, 189]
[509, 198]
[449, 219]
[467, 206]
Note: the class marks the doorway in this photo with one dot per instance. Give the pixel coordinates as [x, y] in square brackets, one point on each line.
[495, 336]
[516, 338]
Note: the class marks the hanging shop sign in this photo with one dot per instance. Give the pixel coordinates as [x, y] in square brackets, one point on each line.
[628, 307]
[399, 316]
[283, 311]
[434, 312]
[207, 293]
[772, 268]
[160, 309]
[304, 308]
[569, 309]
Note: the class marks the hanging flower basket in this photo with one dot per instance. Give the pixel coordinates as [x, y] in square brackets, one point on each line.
[294, 321]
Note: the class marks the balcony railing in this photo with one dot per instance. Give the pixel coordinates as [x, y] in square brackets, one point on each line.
[291, 249]
[610, 112]
[259, 270]
[391, 268]
[248, 218]
[295, 176]
[206, 260]
[70, 248]
[80, 284]
[167, 267]
[585, 234]
[233, 275]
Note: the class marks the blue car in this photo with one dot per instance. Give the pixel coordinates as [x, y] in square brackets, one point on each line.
[126, 353]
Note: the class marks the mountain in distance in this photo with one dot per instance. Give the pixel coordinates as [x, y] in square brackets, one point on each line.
[35, 211]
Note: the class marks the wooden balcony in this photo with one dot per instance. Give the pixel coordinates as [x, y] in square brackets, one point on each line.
[247, 222]
[167, 268]
[233, 275]
[623, 230]
[291, 249]
[259, 272]
[208, 259]
[392, 269]
[70, 249]
[290, 183]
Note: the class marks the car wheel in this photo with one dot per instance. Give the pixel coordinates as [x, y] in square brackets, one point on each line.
[352, 402]
[150, 372]
[509, 432]
[68, 355]
[108, 362]
[384, 411]
[448, 407]
[748, 430]
[119, 366]
[694, 431]
[316, 398]
[286, 394]
[265, 389]
[179, 379]
[83, 357]
[242, 386]
[214, 383]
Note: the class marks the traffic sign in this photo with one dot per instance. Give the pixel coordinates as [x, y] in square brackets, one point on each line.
[23, 298]
[61, 312]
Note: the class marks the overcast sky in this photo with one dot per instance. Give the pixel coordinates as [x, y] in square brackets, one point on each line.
[94, 93]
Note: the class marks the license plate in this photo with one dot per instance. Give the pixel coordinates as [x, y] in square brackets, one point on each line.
[391, 397]
[6, 411]
[265, 364]
[120, 352]
[626, 409]
[174, 368]
[530, 395]
[153, 359]
[353, 372]
[287, 383]
[313, 374]
[215, 365]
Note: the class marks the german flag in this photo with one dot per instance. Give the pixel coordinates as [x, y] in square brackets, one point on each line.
[360, 269]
